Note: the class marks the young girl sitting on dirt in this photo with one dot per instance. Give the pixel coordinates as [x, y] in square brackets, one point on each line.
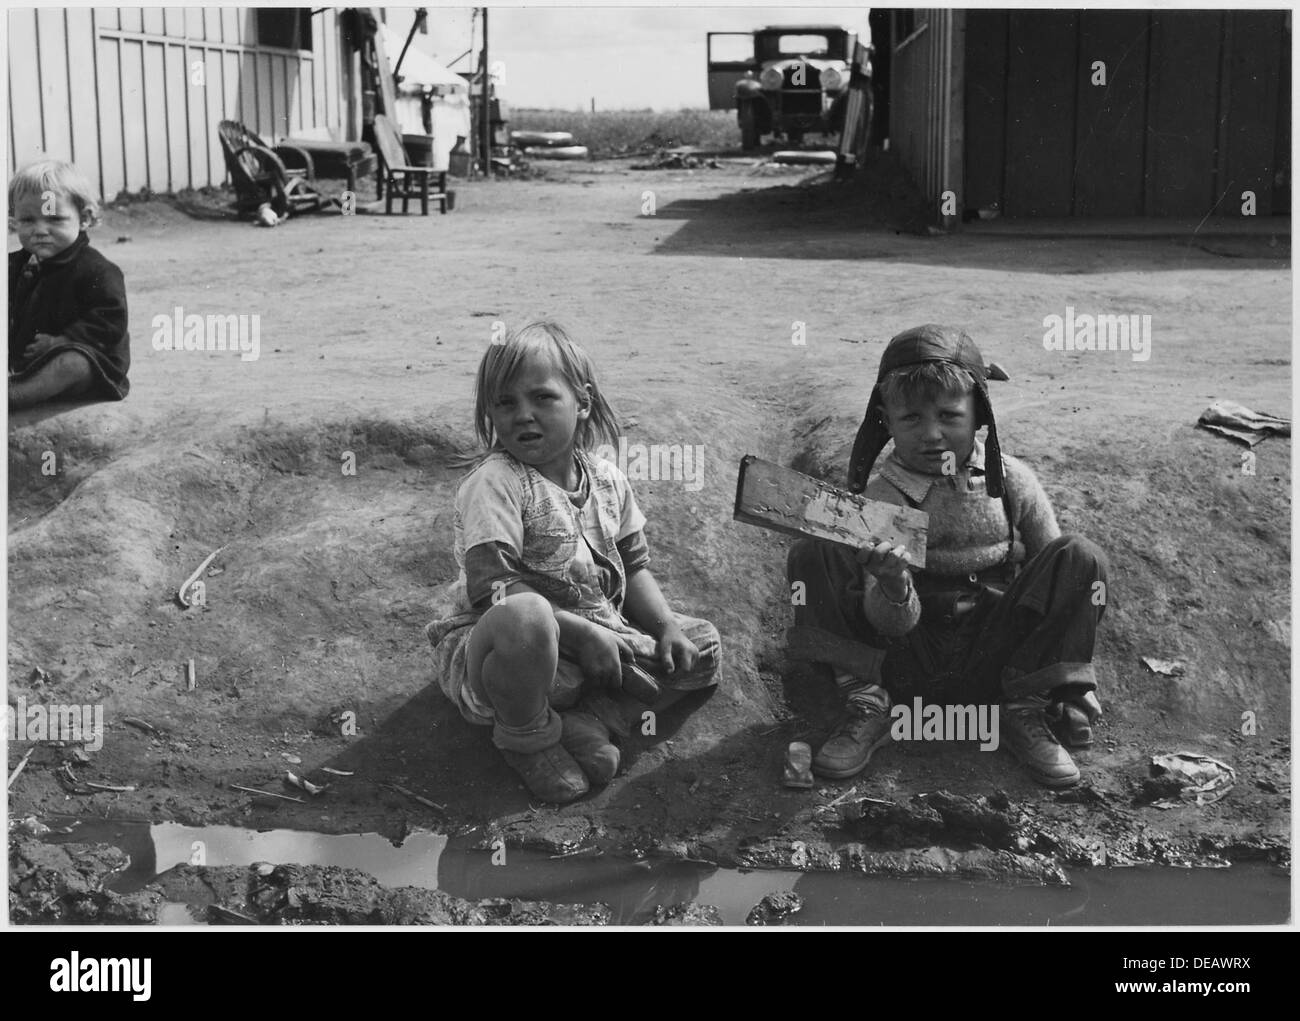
[67, 303]
[554, 597]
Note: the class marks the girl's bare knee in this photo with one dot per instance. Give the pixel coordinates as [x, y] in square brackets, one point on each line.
[523, 620]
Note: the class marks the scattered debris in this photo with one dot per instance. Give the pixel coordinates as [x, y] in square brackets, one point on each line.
[267, 794]
[336, 772]
[581, 852]
[221, 915]
[39, 676]
[1165, 667]
[183, 594]
[267, 217]
[139, 724]
[1240, 423]
[303, 784]
[293, 760]
[189, 676]
[669, 159]
[77, 786]
[686, 914]
[31, 826]
[798, 766]
[22, 764]
[415, 797]
[774, 907]
[1183, 777]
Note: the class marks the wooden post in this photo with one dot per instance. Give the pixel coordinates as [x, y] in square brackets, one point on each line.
[487, 101]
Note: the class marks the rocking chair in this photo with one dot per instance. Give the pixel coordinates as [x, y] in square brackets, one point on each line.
[282, 176]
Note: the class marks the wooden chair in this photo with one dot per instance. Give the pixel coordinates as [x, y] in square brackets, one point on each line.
[401, 180]
[283, 176]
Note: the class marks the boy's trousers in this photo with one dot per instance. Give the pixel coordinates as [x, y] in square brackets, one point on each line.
[978, 639]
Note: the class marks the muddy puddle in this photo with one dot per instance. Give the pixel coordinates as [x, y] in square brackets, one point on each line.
[1248, 893]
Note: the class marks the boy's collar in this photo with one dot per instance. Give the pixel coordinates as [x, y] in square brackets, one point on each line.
[68, 254]
[916, 485]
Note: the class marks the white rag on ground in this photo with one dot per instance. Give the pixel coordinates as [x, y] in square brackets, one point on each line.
[1238, 422]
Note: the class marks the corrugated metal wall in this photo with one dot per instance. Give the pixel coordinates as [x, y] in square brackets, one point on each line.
[114, 89]
[926, 120]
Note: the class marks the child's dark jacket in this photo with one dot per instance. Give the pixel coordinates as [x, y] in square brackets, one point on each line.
[79, 297]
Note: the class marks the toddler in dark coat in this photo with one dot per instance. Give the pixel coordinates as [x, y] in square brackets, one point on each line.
[68, 335]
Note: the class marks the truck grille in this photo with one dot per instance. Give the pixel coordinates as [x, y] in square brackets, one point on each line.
[796, 102]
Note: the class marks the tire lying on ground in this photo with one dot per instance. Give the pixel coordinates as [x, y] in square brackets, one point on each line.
[796, 156]
[560, 152]
[542, 138]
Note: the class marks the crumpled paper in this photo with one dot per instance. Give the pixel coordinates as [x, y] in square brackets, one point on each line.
[1201, 778]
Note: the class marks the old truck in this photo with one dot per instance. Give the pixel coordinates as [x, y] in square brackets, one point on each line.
[788, 81]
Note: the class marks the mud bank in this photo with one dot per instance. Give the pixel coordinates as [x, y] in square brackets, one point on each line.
[308, 651]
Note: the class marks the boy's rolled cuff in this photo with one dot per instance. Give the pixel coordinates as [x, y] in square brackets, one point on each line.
[1065, 680]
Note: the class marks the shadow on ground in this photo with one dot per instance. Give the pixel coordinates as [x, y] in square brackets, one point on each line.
[879, 216]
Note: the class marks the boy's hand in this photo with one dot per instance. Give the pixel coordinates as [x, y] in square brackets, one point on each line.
[38, 347]
[601, 657]
[674, 650]
[888, 565]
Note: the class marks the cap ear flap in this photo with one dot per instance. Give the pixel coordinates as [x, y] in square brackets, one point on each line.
[992, 447]
[872, 436]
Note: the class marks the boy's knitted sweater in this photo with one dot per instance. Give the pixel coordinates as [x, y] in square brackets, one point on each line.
[968, 530]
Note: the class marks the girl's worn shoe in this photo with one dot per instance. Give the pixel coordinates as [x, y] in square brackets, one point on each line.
[550, 774]
[535, 753]
[590, 729]
[586, 738]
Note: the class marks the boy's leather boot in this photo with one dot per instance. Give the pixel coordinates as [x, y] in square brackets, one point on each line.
[1026, 733]
[535, 753]
[864, 728]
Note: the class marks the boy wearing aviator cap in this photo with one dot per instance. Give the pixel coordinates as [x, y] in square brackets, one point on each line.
[1005, 610]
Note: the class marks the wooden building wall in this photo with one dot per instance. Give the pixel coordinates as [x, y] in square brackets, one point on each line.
[1195, 111]
[114, 89]
[926, 123]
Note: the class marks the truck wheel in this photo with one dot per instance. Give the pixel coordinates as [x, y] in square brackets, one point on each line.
[748, 127]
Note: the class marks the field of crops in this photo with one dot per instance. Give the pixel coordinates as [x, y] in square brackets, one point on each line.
[616, 132]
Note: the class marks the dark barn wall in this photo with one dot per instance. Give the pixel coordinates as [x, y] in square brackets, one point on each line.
[1194, 112]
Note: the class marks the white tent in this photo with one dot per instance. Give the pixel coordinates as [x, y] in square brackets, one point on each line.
[421, 74]
[419, 70]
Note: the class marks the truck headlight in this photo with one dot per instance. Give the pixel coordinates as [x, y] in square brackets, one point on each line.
[771, 78]
[831, 80]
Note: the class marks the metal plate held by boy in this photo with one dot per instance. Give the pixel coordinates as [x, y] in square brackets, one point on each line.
[785, 500]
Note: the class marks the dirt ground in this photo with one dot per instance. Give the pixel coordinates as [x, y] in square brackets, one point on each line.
[370, 330]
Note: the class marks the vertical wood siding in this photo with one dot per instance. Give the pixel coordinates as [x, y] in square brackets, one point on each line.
[1195, 111]
[111, 89]
[926, 105]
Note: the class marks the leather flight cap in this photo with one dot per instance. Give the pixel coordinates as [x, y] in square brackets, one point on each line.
[929, 343]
